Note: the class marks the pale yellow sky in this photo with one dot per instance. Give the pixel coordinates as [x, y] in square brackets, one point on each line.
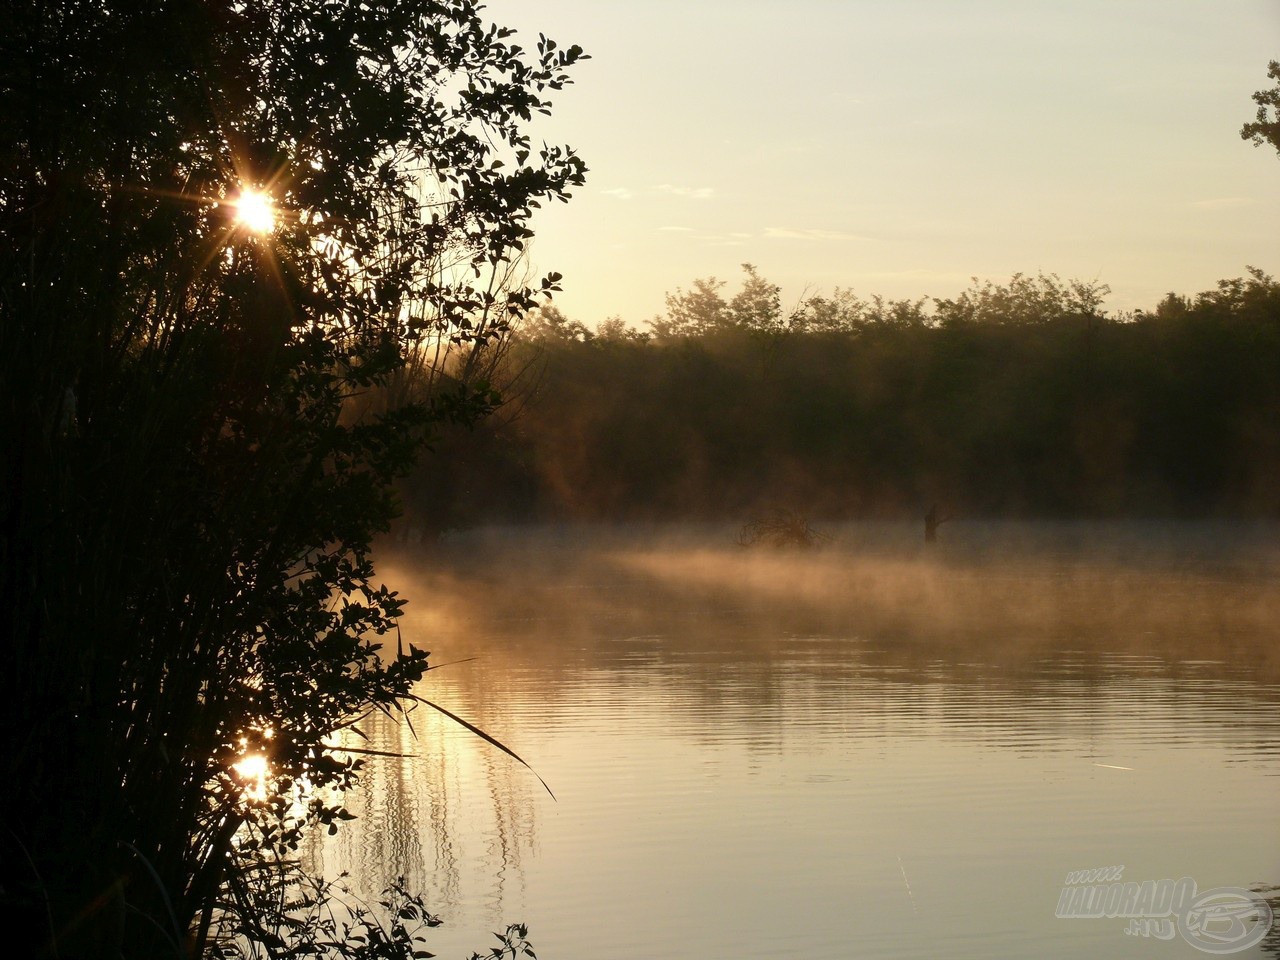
[900, 147]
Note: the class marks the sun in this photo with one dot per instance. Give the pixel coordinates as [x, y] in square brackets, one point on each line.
[253, 772]
[255, 211]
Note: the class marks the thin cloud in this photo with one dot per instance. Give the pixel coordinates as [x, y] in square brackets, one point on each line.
[789, 233]
[618, 193]
[688, 193]
[677, 229]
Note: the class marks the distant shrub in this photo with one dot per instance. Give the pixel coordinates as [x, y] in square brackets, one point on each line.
[782, 529]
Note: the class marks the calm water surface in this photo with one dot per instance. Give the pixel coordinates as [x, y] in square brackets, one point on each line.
[863, 751]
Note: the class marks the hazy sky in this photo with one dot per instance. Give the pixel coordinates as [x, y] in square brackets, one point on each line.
[902, 146]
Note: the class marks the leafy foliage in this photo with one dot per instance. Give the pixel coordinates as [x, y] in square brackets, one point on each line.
[1022, 301]
[511, 943]
[310, 917]
[194, 470]
[703, 309]
[1266, 126]
[844, 312]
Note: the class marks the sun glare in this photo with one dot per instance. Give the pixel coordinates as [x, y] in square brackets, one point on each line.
[253, 771]
[255, 211]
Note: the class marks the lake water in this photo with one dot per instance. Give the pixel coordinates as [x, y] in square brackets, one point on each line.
[867, 750]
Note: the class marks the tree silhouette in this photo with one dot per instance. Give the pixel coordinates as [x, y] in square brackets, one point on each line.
[188, 491]
[1266, 126]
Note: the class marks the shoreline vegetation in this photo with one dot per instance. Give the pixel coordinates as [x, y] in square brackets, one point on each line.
[1017, 400]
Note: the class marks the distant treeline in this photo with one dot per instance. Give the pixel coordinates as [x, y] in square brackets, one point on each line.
[1016, 400]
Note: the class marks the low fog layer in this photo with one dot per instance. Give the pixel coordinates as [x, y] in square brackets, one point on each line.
[1206, 593]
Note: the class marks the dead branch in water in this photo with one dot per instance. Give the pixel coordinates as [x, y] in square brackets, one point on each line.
[782, 529]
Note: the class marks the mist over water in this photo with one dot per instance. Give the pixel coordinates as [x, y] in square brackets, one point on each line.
[870, 749]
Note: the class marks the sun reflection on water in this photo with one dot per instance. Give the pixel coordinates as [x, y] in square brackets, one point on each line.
[253, 769]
